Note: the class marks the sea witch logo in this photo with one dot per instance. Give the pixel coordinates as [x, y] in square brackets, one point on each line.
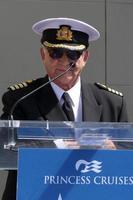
[94, 166]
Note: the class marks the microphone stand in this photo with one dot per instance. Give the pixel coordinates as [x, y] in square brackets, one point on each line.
[12, 136]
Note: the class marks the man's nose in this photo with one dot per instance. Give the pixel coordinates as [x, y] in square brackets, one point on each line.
[64, 56]
[64, 59]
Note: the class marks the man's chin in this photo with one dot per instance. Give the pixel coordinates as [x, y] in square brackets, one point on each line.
[65, 84]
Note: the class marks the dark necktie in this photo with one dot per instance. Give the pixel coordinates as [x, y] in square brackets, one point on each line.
[67, 107]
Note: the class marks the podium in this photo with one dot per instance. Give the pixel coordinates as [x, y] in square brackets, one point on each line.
[47, 171]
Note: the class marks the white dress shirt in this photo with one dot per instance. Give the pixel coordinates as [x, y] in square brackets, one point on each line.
[75, 95]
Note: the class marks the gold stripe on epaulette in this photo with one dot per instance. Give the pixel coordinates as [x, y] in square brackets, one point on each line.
[102, 86]
[29, 81]
[16, 86]
[24, 84]
[12, 87]
[20, 85]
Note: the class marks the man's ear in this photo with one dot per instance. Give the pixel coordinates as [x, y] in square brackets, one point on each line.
[86, 55]
[42, 53]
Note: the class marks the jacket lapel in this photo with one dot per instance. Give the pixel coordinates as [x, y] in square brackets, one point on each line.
[91, 110]
[48, 104]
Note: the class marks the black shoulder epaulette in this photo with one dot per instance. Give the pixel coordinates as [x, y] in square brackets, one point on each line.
[20, 85]
[104, 87]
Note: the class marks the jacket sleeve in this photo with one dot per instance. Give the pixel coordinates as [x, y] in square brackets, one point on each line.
[123, 116]
[8, 101]
[7, 104]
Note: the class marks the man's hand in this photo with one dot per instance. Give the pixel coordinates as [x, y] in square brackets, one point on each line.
[73, 144]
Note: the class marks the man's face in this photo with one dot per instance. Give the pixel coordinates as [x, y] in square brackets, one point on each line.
[55, 66]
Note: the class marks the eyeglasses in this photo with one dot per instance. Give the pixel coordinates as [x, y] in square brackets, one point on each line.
[57, 53]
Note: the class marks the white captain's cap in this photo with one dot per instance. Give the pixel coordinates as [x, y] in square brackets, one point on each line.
[65, 33]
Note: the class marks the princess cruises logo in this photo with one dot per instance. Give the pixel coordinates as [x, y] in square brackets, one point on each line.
[92, 172]
[85, 166]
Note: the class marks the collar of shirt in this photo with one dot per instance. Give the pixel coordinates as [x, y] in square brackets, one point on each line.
[74, 92]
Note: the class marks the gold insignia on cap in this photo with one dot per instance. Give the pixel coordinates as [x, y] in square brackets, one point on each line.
[64, 33]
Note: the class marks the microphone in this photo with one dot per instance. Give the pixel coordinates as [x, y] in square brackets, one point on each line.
[11, 144]
[70, 66]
